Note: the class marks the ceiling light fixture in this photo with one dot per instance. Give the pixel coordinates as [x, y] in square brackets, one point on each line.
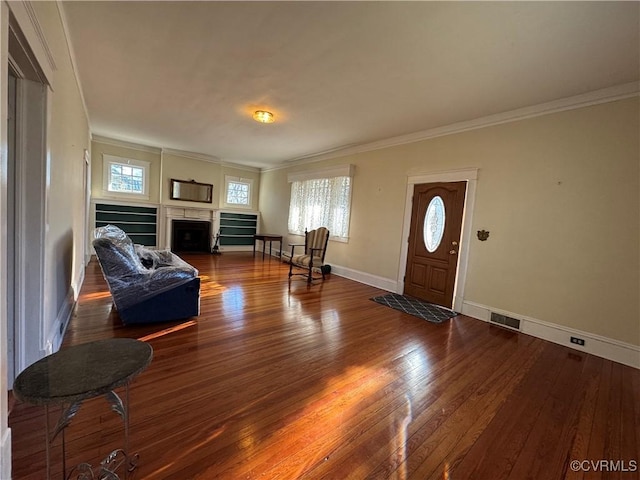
[263, 116]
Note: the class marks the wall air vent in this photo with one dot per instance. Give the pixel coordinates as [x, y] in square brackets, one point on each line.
[505, 321]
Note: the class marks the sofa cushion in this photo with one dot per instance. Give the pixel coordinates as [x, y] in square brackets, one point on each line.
[117, 259]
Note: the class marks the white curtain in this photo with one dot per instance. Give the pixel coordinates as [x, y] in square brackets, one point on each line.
[321, 202]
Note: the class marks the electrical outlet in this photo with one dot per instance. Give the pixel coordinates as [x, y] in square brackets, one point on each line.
[577, 341]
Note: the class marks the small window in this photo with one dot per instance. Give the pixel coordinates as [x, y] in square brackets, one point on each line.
[238, 191]
[125, 176]
[434, 221]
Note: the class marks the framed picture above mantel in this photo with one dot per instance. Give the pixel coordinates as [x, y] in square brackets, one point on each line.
[191, 191]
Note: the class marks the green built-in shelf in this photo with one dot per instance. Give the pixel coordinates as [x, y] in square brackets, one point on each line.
[139, 223]
[237, 229]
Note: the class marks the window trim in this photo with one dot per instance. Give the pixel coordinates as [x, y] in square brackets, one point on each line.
[108, 160]
[330, 172]
[232, 179]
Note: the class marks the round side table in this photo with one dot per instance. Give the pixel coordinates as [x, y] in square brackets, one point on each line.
[75, 374]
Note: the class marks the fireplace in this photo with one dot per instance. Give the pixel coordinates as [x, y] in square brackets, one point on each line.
[190, 236]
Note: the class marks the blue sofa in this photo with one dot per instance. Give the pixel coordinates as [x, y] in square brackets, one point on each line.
[147, 286]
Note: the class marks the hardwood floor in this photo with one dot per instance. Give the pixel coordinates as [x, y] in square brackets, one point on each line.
[275, 380]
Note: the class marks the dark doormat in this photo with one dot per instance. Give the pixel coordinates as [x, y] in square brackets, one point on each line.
[415, 307]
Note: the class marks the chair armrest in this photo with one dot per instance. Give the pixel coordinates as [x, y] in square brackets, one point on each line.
[294, 245]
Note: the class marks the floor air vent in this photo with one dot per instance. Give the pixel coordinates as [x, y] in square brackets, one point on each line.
[505, 321]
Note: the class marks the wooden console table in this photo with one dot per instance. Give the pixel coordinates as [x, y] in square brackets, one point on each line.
[75, 374]
[266, 237]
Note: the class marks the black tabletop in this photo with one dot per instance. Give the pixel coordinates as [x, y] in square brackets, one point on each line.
[82, 371]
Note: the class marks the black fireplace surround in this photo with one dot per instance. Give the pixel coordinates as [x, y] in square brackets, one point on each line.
[190, 236]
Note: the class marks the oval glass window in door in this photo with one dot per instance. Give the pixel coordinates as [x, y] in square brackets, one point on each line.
[434, 224]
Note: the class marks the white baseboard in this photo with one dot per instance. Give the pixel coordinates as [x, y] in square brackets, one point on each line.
[368, 279]
[5, 455]
[59, 327]
[236, 248]
[78, 285]
[598, 345]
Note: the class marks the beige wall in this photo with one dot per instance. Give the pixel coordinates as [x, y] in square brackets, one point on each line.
[559, 194]
[185, 168]
[243, 174]
[67, 137]
[163, 167]
[147, 154]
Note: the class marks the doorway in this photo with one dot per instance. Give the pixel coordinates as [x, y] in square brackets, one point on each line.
[434, 241]
[434, 268]
[26, 205]
[11, 224]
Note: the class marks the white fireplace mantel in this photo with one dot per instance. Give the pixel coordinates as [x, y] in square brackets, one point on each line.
[187, 213]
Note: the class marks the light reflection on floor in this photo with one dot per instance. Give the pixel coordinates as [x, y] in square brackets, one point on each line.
[210, 288]
[233, 300]
[168, 331]
[370, 381]
[328, 322]
[87, 297]
[185, 454]
[417, 362]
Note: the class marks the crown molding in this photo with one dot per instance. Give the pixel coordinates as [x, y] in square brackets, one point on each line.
[605, 95]
[115, 142]
[40, 34]
[124, 144]
[30, 28]
[237, 166]
[72, 57]
[346, 170]
[203, 157]
[192, 155]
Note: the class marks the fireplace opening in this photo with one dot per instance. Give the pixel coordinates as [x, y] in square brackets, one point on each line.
[190, 236]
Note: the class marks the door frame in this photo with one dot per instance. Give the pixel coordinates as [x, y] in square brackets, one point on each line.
[30, 202]
[470, 175]
[32, 167]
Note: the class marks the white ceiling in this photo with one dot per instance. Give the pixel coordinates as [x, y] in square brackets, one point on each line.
[188, 75]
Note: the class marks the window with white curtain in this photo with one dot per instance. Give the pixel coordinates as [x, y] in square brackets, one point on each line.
[321, 199]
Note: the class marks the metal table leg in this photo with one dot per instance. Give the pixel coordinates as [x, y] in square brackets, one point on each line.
[107, 470]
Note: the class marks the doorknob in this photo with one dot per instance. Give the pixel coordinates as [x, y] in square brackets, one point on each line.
[454, 243]
[452, 252]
